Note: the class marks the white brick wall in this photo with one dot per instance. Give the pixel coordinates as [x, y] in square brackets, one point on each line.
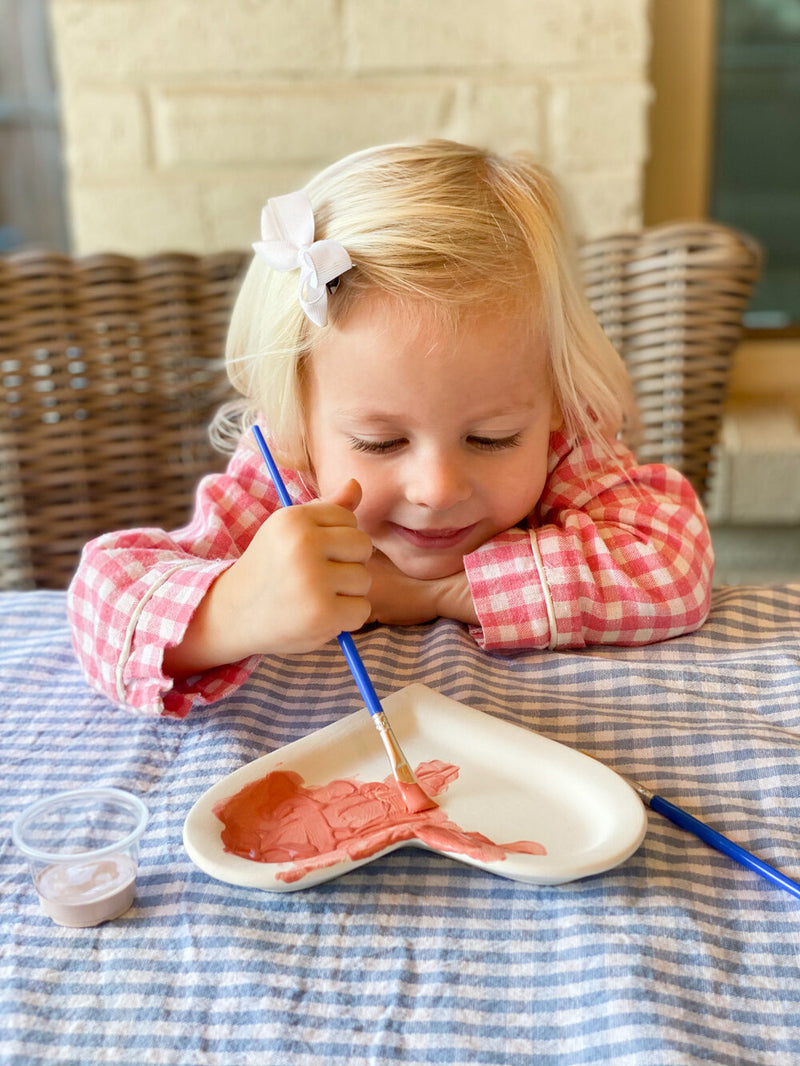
[182, 116]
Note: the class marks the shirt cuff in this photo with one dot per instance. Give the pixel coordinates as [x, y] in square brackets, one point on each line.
[510, 594]
[159, 621]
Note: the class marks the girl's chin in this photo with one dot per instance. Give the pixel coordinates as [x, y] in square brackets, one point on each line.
[421, 568]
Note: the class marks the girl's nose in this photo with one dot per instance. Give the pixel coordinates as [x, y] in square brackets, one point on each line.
[438, 482]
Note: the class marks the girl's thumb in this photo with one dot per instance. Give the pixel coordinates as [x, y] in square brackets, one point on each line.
[347, 495]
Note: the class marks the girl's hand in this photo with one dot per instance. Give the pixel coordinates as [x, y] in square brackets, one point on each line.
[301, 581]
[400, 600]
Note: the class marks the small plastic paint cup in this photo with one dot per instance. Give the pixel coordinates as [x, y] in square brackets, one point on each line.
[83, 852]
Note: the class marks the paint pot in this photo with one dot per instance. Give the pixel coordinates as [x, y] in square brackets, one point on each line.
[83, 849]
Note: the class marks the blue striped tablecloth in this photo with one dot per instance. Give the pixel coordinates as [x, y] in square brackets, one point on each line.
[677, 956]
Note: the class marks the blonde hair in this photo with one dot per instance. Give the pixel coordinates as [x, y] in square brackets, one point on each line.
[457, 228]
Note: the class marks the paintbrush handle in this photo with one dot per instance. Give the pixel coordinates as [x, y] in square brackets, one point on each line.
[722, 843]
[359, 672]
[272, 466]
[346, 642]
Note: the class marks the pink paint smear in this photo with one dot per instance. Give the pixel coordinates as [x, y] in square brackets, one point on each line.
[279, 819]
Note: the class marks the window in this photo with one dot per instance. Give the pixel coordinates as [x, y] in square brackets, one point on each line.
[31, 194]
[755, 170]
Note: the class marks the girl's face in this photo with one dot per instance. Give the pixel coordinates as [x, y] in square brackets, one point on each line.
[446, 430]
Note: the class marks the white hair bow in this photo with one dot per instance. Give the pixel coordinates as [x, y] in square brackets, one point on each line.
[287, 243]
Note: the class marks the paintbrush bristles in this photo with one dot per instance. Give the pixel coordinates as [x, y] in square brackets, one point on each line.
[414, 796]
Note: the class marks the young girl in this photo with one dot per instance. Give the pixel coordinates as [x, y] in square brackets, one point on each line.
[413, 337]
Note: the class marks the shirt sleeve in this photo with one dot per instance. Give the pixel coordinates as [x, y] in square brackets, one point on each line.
[134, 592]
[616, 553]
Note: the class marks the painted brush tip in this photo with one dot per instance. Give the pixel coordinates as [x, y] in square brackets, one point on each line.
[415, 798]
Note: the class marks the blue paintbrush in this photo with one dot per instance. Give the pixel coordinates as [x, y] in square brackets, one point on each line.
[414, 796]
[710, 836]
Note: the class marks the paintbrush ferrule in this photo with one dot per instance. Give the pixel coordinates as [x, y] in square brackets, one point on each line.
[400, 768]
[644, 793]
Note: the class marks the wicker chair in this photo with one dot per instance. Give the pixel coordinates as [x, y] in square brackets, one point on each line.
[671, 299]
[111, 370]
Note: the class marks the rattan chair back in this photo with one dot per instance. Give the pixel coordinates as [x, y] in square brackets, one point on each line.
[671, 299]
[112, 367]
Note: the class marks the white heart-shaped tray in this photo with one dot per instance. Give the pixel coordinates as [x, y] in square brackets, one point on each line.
[512, 785]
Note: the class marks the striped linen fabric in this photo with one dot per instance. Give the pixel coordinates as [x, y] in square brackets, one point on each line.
[677, 956]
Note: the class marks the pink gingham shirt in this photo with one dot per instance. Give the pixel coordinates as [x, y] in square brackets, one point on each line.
[614, 553]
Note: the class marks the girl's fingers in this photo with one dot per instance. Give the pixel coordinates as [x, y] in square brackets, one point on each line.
[347, 496]
[350, 579]
[354, 614]
[347, 545]
[337, 509]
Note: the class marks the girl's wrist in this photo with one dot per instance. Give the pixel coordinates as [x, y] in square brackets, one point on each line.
[210, 639]
[454, 599]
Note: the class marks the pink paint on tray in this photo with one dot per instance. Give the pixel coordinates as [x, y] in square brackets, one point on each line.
[279, 819]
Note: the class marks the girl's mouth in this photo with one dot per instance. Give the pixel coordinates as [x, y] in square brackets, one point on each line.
[434, 538]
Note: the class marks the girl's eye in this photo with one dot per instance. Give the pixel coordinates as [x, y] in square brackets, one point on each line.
[492, 444]
[385, 447]
[376, 447]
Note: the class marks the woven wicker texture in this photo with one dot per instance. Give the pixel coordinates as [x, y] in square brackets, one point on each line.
[671, 300]
[111, 370]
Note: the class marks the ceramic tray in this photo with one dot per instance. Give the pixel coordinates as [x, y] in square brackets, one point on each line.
[512, 785]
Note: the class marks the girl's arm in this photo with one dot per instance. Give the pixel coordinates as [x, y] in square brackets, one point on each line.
[163, 620]
[618, 554]
[301, 580]
[400, 600]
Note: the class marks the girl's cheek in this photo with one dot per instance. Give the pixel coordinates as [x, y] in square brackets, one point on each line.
[375, 504]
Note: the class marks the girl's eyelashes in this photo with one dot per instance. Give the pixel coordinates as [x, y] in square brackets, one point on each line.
[492, 444]
[384, 447]
[376, 447]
